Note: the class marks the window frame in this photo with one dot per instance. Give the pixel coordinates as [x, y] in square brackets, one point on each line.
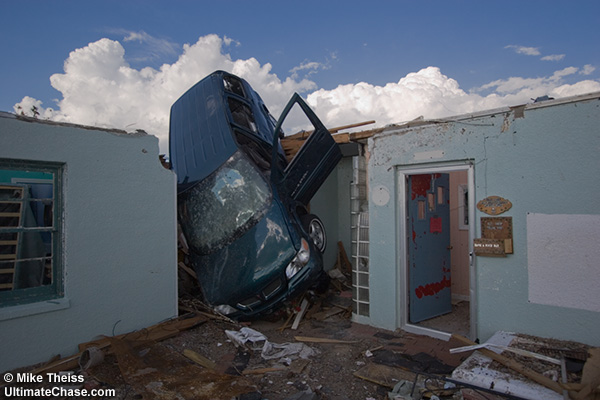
[55, 289]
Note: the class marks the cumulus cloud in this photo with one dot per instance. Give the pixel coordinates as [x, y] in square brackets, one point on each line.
[100, 88]
[587, 69]
[553, 57]
[310, 67]
[528, 51]
[427, 92]
[144, 47]
[516, 88]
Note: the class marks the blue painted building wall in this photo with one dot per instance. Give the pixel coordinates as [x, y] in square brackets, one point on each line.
[119, 239]
[543, 157]
[332, 205]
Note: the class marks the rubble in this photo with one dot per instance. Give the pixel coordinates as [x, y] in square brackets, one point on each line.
[205, 356]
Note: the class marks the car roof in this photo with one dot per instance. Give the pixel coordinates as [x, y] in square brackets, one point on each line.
[200, 138]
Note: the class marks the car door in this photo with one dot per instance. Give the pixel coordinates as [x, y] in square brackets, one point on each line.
[313, 163]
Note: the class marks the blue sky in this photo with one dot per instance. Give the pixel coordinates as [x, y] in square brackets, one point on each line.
[385, 60]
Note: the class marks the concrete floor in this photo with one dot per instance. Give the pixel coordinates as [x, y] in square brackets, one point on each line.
[458, 321]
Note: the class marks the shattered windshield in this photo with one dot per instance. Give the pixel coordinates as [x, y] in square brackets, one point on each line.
[224, 205]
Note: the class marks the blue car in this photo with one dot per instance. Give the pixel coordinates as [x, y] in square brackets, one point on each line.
[241, 205]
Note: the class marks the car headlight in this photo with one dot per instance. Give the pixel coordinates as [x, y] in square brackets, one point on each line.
[299, 261]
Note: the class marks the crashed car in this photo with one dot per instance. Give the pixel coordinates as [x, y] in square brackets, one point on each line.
[241, 205]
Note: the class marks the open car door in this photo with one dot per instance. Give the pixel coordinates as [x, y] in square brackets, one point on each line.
[313, 163]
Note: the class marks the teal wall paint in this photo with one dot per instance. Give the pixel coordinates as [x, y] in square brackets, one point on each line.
[332, 204]
[543, 162]
[6, 176]
[120, 249]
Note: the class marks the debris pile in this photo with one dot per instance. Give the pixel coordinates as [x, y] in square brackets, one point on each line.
[316, 352]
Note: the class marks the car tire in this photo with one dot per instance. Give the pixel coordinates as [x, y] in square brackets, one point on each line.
[315, 230]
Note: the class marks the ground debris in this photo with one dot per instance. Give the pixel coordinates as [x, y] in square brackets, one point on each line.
[159, 373]
[520, 371]
[147, 365]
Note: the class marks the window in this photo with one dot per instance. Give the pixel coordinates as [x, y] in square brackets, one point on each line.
[242, 114]
[463, 207]
[223, 206]
[234, 85]
[30, 232]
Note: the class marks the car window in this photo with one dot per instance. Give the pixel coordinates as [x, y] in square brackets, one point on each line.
[242, 114]
[233, 85]
[224, 205]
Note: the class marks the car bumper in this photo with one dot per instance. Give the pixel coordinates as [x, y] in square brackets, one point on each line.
[289, 290]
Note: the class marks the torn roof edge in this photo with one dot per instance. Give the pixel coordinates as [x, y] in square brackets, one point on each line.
[8, 115]
[420, 121]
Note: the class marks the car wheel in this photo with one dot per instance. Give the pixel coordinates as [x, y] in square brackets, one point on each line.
[316, 231]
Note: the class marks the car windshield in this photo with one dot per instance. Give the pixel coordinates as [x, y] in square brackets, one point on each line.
[224, 205]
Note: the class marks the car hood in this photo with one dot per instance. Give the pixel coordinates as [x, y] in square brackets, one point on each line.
[244, 267]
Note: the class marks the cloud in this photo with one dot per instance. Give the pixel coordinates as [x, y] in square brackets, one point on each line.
[311, 66]
[33, 107]
[553, 57]
[100, 88]
[517, 90]
[535, 51]
[557, 75]
[143, 47]
[528, 51]
[230, 41]
[587, 69]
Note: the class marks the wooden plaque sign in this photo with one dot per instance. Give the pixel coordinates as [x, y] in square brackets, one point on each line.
[500, 229]
[494, 205]
[489, 247]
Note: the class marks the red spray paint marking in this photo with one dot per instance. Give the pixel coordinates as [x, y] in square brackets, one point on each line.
[432, 289]
[420, 185]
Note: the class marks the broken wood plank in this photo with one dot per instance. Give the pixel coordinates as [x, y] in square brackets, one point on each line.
[305, 134]
[298, 365]
[324, 340]
[350, 126]
[287, 322]
[323, 315]
[521, 352]
[199, 359]
[514, 365]
[300, 314]
[590, 379]
[344, 256]
[64, 364]
[187, 269]
[364, 134]
[384, 375]
[156, 332]
[314, 309]
[259, 371]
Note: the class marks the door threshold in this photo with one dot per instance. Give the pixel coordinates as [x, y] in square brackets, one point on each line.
[419, 330]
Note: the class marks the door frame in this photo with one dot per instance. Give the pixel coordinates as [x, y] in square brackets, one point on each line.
[403, 284]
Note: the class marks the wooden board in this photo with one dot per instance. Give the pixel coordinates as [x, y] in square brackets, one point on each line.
[489, 247]
[384, 375]
[515, 366]
[499, 228]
